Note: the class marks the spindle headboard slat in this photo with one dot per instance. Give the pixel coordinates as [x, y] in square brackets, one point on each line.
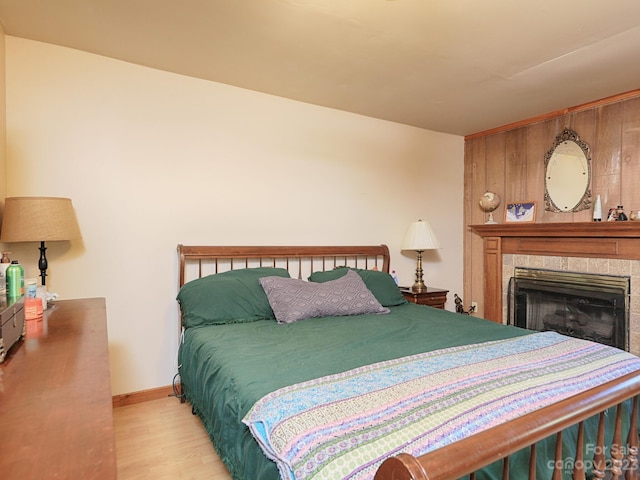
[300, 261]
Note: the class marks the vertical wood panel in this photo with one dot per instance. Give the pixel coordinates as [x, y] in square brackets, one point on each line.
[552, 129]
[630, 157]
[584, 124]
[516, 189]
[511, 163]
[605, 156]
[495, 172]
[476, 181]
[469, 251]
[537, 146]
[475, 186]
[494, 181]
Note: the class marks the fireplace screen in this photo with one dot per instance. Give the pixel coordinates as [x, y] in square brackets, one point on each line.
[589, 306]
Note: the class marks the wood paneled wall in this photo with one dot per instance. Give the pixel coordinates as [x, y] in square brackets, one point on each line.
[510, 162]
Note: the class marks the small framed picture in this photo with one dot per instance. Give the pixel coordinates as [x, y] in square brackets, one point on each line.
[520, 212]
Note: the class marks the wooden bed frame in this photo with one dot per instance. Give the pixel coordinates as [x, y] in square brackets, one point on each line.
[472, 453]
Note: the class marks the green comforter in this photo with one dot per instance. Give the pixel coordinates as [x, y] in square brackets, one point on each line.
[225, 369]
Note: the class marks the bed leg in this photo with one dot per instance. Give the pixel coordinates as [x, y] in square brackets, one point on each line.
[578, 464]
[558, 464]
[599, 458]
[532, 462]
[505, 468]
[631, 470]
[616, 446]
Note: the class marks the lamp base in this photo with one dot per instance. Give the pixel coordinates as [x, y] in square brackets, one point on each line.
[418, 287]
[42, 263]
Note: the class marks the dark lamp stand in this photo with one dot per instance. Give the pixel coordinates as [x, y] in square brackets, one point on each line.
[42, 263]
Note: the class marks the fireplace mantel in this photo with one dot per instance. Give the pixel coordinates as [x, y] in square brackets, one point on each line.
[570, 230]
[578, 239]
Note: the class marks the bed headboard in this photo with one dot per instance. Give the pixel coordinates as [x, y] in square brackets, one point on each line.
[301, 261]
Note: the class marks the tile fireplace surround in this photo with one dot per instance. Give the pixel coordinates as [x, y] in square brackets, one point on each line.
[611, 248]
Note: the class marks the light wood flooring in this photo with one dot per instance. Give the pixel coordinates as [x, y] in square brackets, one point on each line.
[161, 439]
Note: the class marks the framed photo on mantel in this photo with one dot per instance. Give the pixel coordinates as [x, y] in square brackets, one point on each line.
[520, 212]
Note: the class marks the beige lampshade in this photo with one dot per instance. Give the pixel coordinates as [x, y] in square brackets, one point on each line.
[38, 219]
[420, 236]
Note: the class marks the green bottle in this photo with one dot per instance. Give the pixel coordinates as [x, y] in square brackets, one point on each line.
[15, 280]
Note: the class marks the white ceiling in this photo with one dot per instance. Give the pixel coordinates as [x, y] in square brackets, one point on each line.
[456, 66]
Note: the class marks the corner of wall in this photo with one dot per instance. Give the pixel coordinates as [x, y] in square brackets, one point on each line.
[3, 119]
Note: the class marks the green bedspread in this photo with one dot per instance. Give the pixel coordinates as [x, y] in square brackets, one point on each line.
[225, 369]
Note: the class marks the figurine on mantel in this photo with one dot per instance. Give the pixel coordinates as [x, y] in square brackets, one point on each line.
[621, 217]
[597, 210]
[617, 214]
[488, 203]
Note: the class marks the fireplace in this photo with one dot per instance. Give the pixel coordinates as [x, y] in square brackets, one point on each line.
[582, 305]
[608, 248]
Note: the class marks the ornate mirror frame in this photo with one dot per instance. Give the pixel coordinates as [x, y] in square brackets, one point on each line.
[567, 174]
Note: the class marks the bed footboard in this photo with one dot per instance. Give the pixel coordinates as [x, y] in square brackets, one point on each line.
[471, 454]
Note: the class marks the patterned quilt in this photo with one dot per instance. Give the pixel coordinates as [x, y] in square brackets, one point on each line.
[345, 425]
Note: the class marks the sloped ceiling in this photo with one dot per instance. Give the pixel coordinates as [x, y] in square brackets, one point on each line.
[458, 66]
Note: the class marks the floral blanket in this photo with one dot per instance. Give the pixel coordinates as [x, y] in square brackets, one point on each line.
[345, 425]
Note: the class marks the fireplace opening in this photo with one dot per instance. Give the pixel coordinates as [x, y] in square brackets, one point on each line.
[582, 305]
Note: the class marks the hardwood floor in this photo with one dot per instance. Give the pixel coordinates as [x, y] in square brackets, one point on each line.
[161, 439]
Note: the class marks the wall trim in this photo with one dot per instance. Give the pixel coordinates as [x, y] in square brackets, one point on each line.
[143, 396]
[558, 113]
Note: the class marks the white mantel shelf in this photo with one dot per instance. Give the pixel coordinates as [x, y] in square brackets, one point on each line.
[619, 240]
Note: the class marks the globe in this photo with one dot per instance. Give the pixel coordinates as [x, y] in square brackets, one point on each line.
[488, 203]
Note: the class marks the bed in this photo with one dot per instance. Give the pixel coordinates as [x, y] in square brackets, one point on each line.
[240, 362]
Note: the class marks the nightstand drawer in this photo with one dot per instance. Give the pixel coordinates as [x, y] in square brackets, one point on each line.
[433, 297]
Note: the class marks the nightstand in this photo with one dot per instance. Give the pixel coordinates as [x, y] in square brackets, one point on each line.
[434, 297]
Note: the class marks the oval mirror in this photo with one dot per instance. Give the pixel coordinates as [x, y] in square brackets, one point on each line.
[567, 174]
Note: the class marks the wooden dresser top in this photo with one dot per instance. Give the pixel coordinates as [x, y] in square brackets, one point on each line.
[55, 397]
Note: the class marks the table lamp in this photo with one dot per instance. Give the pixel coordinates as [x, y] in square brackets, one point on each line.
[39, 219]
[420, 237]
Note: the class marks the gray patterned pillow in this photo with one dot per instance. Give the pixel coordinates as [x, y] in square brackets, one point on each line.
[293, 299]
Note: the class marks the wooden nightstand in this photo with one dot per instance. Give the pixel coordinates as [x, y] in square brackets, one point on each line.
[434, 297]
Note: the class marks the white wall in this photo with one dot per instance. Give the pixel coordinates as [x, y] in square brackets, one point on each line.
[152, 159]
[3, 138]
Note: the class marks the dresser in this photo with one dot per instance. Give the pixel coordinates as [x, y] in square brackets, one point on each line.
[56, 416]
[11, 324]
